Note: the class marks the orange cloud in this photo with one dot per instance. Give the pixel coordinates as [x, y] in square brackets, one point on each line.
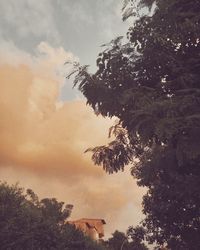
[43, 140]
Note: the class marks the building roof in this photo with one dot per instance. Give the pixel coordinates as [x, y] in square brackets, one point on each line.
[96, 224]
[88, 219]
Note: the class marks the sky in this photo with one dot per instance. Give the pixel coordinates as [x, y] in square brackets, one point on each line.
[45, 125]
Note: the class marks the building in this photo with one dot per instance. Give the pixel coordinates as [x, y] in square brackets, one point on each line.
[93, 228]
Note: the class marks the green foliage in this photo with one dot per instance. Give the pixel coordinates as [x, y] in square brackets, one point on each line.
[151, 84]
[27, 223]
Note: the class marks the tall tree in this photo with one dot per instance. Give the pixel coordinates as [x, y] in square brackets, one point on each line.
[151, 84]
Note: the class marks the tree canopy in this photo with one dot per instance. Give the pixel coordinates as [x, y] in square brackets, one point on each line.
[29, 223]
[151, 84]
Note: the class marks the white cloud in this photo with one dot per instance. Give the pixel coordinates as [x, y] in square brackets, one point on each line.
[48, 65]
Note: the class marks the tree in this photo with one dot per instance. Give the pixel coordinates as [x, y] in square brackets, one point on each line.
[122, 241]
[137, 235]
[29, 223]
[151, 84]
[18, 218]
[117, 241]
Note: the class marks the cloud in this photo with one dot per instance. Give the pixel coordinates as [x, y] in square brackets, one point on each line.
[42, 128]
[43, 139]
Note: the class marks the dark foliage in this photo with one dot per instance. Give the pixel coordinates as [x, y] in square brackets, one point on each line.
[130, 241]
